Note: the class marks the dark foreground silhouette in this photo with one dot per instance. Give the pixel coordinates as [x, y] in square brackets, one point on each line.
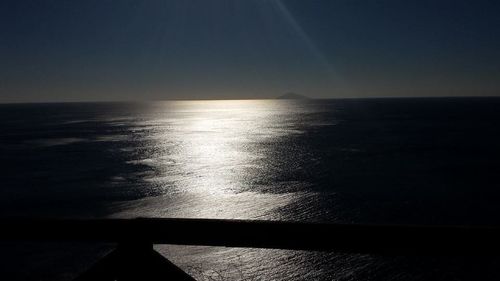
[135, 259]
[134, 262]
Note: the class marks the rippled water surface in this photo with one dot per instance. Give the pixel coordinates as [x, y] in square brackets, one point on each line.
[423, 161]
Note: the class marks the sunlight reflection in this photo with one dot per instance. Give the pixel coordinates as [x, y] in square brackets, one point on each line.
[215, 143]
[210, 158]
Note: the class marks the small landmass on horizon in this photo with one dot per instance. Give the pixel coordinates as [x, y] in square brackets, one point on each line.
[292, 96]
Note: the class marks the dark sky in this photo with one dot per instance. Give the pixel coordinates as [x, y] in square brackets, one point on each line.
[198, 49]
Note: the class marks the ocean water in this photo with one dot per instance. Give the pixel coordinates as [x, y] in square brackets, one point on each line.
[408, 161]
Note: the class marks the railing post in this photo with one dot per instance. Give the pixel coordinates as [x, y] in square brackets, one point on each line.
[134, 260]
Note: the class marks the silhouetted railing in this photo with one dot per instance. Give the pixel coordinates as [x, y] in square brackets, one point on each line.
[380, 239]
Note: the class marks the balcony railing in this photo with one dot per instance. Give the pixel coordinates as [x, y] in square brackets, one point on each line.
[135, 258]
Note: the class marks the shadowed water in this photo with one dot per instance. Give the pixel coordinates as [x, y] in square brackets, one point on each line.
[422, 161]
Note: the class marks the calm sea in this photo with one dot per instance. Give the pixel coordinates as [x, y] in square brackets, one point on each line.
[409, 161]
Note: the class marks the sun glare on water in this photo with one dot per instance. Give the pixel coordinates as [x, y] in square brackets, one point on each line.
[209, 155]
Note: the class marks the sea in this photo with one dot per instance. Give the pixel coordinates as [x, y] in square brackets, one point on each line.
[424, 161]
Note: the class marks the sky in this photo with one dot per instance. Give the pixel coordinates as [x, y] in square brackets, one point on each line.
[102, 50]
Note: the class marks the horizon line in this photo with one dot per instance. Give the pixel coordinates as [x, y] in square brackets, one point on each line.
[242, 99]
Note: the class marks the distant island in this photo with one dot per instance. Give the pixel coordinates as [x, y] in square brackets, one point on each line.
[292, 96]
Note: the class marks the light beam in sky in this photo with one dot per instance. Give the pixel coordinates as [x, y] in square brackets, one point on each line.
[299, 31]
